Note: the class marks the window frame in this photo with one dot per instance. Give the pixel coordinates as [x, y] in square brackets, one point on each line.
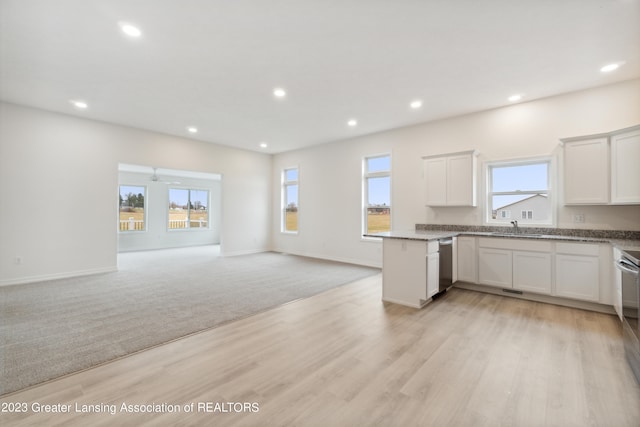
[551, 191]
[284, 201]
[366, 175]
[189, 228]
[145, 219]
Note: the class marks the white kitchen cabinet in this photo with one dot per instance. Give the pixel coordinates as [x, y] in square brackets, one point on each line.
[625, 167]
[495, 267]
[435, 175]
[410, 273]
[532, 271]
[433, 273]
[519, 264]
[467, 259]
[586, 171]
[578, 271]
[450, 179]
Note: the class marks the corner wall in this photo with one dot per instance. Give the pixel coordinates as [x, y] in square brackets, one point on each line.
[59, 189]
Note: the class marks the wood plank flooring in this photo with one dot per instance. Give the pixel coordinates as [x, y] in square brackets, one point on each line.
[344, 358]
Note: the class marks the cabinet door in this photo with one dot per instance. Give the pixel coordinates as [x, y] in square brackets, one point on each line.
[435, 175]
[467, 257]
[494, 267]
[433, 274]
[577, 277]
[586, 172]
[460, 181]
[625, 168]
[404, 272]
[532, 271]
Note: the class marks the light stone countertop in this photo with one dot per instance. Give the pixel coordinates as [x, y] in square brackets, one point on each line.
[425, 235]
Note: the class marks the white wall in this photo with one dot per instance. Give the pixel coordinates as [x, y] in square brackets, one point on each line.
[157, 235]
[60, 180]
[330, 175]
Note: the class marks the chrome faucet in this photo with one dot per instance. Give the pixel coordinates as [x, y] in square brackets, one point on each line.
[516, 230]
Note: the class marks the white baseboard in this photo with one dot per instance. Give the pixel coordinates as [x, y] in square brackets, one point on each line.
[64, 275]
[549, 299]
[248, 252]
[336, 259]
[405, 303]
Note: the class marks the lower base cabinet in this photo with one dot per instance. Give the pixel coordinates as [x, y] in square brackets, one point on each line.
[532, 271]
[577, 277]
[494, 267]
[410, 273]
[578, 271]
[504, 263]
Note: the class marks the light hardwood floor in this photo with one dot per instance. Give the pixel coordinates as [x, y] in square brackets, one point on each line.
[344, 358]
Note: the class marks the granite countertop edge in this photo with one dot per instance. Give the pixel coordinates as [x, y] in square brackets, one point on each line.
[424, 235]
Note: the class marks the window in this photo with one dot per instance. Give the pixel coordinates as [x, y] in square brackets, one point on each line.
[188, 208]
[376, 190]
[522, 187]
[132, 208]
[290, 200]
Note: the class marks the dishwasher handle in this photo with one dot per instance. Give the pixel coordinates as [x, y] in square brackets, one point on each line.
[627, 267]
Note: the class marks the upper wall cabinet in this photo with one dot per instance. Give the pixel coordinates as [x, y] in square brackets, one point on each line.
[586, 171]
[625, 165]
[602, 169]
[450, 179]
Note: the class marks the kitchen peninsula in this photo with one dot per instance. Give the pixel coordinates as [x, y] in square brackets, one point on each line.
[566, 267]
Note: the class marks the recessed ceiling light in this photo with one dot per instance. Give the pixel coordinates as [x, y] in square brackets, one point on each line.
[611, 67]
[81, 105]
[263, 145]
[130, 30]
[416, 104]
[514, 98]
[352, 122]
[192, 129]
[279, 92]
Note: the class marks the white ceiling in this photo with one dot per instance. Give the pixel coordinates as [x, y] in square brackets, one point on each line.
[214, 64]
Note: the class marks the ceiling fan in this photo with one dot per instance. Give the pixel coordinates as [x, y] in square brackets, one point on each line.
[155, 178]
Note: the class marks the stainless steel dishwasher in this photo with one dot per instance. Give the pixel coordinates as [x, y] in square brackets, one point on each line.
[446, 263]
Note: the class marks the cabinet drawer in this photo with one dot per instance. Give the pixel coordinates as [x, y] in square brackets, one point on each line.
[577, 249]
[516, 244]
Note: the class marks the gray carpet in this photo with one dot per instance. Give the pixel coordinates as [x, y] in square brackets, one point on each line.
[53, 328]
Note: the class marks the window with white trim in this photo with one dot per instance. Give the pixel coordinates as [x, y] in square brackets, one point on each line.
[188, 209]
[376, 189]
[526, 215]
[289, 223]
[522, 187]
[132, 208]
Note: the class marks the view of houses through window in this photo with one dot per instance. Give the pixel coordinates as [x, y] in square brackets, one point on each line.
[132, 204]
[188, 208]
[290, 200]
[377, 194]
[519, 191]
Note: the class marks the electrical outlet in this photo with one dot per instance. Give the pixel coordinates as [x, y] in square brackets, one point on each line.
[579, 218]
